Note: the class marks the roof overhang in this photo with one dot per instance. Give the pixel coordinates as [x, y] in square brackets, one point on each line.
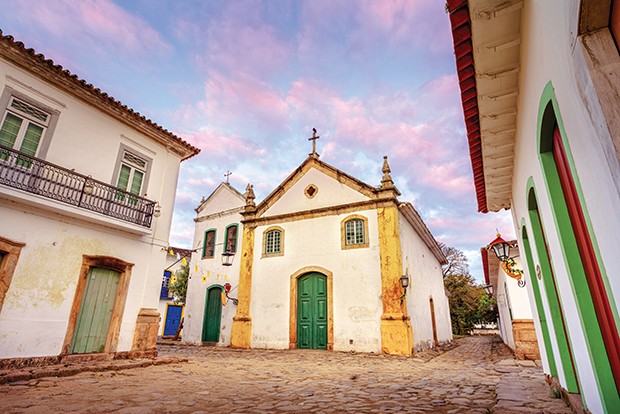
[487, 38]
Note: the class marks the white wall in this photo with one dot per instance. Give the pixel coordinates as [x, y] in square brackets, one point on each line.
[35, 314]
[212, 269]
[548, 53]
[426, 281]
[356, 283]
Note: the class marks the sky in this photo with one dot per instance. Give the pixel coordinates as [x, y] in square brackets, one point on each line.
[247, 80]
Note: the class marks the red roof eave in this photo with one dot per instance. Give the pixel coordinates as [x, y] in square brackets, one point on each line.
[463, 51]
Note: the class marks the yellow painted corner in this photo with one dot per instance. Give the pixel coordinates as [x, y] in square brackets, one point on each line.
[396, 337]
[241, 335]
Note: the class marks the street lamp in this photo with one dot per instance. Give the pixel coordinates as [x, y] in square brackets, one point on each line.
[404, 283]
[489, 290]
[227, 258]
[500, 247]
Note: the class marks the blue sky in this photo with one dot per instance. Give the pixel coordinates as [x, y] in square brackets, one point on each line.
[247, 80]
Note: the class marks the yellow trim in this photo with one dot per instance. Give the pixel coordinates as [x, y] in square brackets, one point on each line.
[330, 305]
[281, 252]
[343, 236]
[241, 335]
[316, 190]
[396, 332]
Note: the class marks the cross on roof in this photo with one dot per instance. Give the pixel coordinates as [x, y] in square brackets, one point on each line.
[313, 139]
[227, 175]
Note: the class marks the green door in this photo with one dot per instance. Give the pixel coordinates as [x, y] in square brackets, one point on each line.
[93, 323]
[312, 311]
[213, 315]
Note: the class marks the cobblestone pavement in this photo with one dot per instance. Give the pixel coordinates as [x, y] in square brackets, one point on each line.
[477, 376]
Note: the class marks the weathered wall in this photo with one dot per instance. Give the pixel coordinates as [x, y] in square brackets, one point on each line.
[35, 314]
[426, 281]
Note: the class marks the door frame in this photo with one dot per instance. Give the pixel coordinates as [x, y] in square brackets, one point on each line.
[105, 262]
[293, 305]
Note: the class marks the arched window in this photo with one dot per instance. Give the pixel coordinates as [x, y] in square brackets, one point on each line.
[208, 248]
[231, 238]
[273, 241]
[354, 232]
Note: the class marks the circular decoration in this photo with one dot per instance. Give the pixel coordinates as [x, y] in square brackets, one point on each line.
[311, 191]
[521, 282]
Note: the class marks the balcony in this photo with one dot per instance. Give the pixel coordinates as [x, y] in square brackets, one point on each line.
[35, 176]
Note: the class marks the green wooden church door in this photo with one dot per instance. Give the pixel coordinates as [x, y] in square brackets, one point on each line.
[312, 311]
[93, 323]
[213, 315]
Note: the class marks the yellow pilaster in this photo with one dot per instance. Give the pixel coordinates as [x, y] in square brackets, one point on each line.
[396, 332]
[242, 322]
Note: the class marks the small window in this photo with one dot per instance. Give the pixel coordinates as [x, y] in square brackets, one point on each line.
[165, 283]
[131, 174]
[273, 241]
[23, 127]
[231, 238]
[354, 232]
[208, 248]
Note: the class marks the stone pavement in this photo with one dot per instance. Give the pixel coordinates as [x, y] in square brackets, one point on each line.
[477, 376]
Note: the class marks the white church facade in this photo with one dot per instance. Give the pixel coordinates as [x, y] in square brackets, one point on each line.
[320, 264]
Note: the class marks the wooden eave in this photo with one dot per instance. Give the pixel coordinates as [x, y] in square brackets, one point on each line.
[413, 218]
[309, 163]
[487, 38]
[28, 60]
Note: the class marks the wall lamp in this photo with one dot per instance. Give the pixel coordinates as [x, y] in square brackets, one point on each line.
[404, 283]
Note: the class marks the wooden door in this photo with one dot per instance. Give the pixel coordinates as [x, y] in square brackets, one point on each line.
[93, 323]
[312, 311]
[173, 319]
[213, 315]
[433, 322]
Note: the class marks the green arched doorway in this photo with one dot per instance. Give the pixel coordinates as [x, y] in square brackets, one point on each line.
[212, 315]
[312, 317]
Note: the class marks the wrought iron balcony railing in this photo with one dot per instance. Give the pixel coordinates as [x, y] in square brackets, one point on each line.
[21, 171]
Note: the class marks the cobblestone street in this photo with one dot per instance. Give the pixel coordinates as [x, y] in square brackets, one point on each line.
[476, 376]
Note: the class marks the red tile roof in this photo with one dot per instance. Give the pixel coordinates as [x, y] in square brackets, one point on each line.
[463, 51]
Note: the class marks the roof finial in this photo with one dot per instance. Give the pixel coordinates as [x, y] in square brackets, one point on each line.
[249, 196]
[386, 181]
[313, 139]
[227, 175]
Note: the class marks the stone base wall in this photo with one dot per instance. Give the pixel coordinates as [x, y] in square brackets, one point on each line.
[526, 345]
[145, 336]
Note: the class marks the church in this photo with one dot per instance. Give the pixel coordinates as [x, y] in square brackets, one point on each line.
[325, 261]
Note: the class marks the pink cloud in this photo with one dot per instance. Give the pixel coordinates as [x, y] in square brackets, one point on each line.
[101, 24]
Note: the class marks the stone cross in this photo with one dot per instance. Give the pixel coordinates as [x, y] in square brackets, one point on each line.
[313, 139]
[227, 175]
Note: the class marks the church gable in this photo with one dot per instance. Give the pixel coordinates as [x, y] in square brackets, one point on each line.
[315, 185]
[223, 198]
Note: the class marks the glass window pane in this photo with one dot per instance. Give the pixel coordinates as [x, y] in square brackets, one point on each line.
[31, 139]
[136, 183]
[231, 239]
[9, 130]
[123, 177]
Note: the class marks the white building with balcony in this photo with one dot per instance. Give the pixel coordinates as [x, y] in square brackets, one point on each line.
[87, 188]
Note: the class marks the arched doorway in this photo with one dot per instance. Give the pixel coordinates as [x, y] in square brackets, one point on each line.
[579, 249]
[212, 315]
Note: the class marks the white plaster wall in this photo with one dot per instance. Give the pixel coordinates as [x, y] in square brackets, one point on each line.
[213, 270]
[35, 314]
[426, 281]
[547, 54]
[504, 305]
[356, 283]
[330, 193]
[519, 299]
[33, 321]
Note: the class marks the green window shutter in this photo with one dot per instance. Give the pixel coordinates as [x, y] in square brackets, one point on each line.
[136, 183]
[31, 139]
[123, 177]
[8, 132]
